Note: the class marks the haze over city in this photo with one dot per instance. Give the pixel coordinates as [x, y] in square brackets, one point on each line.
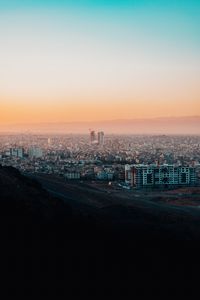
[91, 61]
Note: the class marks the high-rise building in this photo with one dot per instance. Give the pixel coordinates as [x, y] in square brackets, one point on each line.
[101, 138]
[163, 175]
[92, 136]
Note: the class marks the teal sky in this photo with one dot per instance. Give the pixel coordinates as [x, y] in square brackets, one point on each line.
[138, 52]
[94, 3]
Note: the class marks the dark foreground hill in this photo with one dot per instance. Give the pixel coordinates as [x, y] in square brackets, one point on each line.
[120, 249]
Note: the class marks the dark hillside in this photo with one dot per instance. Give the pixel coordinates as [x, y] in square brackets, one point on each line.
[44, 242]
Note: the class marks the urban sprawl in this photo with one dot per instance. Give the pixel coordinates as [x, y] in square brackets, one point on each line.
[130, 161]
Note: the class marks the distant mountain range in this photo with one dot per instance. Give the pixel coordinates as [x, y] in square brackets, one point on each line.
[164, 125]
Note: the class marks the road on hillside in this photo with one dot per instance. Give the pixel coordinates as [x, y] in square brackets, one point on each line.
[87, 197]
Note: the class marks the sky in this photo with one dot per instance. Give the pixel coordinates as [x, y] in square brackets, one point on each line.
[65, 61]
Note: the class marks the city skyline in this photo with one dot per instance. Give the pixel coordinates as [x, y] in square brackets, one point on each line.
[89, 61]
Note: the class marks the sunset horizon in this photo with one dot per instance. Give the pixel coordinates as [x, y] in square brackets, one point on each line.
[86, 61]
[100, 147]
[182, 125]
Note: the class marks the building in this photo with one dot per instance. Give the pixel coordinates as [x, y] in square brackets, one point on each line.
[72, 175]
[35, 152]
[164, 175]
[17, 152]
[104, 175]
[49, 141]
[101, 138]
[92, 137]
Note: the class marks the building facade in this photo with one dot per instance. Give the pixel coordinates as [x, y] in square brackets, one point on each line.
[163, 175]
[92, 137]
[101, 138]
[35, 152]
[17, 152]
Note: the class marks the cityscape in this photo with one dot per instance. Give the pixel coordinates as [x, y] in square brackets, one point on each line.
[109, 158]
[100, 149]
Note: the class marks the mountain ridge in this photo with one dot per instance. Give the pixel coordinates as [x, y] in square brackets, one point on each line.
[159, 125]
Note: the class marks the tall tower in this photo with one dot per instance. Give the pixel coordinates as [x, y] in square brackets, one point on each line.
[92, 136]
[101, 138]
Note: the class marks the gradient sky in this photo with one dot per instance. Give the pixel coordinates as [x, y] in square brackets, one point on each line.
[95, 60]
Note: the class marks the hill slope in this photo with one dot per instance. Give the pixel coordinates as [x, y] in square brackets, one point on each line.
[44, 241]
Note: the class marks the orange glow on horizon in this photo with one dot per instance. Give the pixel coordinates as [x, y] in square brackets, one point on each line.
[90, 110]
[74, 65]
